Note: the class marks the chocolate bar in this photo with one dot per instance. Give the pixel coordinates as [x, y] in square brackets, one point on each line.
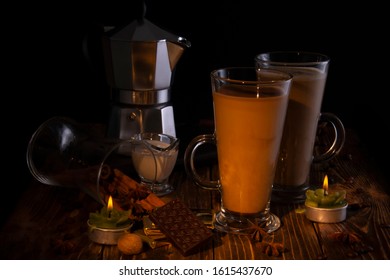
[181, 226]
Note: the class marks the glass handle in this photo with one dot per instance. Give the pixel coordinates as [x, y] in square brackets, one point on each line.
[189, 162]
[339, 137]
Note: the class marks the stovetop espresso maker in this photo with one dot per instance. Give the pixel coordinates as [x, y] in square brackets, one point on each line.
[140, 60]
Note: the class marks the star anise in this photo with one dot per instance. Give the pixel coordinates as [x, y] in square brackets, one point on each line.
[264, 241]
[62, 246]
[346, 237]
[353, 240]
[258, 233]
[273, 249]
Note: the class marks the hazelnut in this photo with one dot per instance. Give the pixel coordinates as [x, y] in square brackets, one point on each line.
[130, 244]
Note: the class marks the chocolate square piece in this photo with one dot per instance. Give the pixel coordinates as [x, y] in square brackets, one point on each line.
[185, 230]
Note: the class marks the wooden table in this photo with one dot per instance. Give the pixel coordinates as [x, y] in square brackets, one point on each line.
[50, 222]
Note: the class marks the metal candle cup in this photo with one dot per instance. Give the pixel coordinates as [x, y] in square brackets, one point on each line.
[106, 236]
[326, 215]
[323, 206]
[108, 225]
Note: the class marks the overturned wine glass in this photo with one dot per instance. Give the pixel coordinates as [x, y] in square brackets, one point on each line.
[63, 152]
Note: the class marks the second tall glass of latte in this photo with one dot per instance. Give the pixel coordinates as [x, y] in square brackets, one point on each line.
[309, 71]
[249, 114]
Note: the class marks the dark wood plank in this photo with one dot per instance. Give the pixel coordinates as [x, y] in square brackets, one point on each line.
[369, 205]
[296, 233]
[50, 222]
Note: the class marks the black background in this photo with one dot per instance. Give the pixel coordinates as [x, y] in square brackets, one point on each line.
[47, 72]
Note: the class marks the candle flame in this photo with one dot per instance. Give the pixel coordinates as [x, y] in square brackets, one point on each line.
[110, 205]
[325, 185]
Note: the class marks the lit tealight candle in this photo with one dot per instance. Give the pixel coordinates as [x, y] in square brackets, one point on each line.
[325, 186]
[325, 206]
[109, 217]
[110, 206]
[323, 198]
[108, 225]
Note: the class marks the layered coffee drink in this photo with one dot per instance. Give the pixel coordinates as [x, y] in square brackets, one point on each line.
[309, 71]
[303, 111]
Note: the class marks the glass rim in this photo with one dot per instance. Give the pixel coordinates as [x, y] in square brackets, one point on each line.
[293, 58]
[281, 76]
